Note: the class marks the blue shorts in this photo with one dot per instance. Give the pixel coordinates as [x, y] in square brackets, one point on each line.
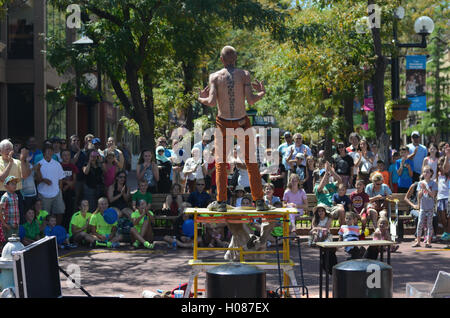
[442, 205]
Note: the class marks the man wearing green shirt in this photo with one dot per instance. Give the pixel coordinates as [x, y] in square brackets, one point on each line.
[325, 190]
[100, 229]
[79, 225]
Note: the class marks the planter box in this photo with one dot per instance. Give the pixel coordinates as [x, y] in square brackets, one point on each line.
[400, 112]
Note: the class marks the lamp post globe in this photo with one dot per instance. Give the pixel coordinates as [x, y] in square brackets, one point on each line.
[424, 25]
[399, 12]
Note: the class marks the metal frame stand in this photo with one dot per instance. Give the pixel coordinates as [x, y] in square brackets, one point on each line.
[279, 290]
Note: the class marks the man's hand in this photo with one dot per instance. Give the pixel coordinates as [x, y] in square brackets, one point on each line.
[204, 93]
[47, 181]
[259, 86]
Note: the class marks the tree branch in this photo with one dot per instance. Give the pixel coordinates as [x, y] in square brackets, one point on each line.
[122, 96]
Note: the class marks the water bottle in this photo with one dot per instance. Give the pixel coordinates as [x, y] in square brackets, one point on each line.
[174, 243]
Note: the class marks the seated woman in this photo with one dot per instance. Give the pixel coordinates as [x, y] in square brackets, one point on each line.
[175, 202]
[79, 225]
[377, 192]
[119, 194]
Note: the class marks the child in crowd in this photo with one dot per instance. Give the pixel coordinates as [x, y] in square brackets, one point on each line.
[62, 238]
[298, 167]
[9, 208]
[31, 232]
[350, 232]
[381, 233]
[79, 225]
[239, 193]
[268, 194]
[342, 198]
[393, 175]
[41, 215]
[360, 200]
[321, 224]
[443, 209]
[295, 197]
[142, 233]
[381, 168]
[141, 194]
[316, 174]
[427, 192]
[277, 230]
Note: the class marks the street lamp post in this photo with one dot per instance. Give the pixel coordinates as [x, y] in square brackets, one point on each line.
[423, 26]
[85, 41]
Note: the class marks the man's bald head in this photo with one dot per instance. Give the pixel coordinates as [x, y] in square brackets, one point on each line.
[228, 55]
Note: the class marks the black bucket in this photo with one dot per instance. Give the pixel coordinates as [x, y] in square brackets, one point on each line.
[235, 280]
[362, 278]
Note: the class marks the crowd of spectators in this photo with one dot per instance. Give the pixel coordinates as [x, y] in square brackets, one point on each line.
[64, 186]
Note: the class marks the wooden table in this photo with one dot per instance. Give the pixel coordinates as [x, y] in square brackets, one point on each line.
[325, 248]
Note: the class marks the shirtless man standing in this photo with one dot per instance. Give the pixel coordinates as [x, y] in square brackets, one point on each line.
[229, 88]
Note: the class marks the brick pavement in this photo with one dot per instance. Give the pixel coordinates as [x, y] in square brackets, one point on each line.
[129, 272]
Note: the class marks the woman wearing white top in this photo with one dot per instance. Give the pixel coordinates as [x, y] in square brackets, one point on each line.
[194, 169]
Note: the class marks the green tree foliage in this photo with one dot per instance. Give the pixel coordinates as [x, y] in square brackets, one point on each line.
[136, 39]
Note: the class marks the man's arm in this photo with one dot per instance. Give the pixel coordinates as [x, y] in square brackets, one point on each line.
[258, 86]
[208, 96]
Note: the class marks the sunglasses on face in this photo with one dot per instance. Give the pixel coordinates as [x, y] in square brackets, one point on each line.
[200, 184]
[121, 177]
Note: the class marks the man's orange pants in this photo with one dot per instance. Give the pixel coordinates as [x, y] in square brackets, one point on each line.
[221, 164]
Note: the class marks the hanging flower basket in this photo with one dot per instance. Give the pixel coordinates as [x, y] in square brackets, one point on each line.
[400, 109]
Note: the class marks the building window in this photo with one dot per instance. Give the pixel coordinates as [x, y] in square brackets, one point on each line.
[56, 118]
[20, 110]
[20, 30]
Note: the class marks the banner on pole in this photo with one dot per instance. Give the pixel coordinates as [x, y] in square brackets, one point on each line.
[368, 96]
[415, 82]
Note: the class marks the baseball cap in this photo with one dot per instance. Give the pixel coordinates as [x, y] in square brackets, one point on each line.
[287, 133]
[95, 141]
[415, 133]
[54, 140]
[300, 155]
[321, 172]
[9, 179]
[110, 216]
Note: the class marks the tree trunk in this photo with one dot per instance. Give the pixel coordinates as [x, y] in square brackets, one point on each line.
[147, 139]
[348, 116]
[378, 96]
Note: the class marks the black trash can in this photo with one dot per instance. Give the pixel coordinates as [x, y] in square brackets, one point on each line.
[362, 278]
[235, 280]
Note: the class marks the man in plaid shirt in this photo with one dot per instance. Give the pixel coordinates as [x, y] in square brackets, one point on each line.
[9, 208]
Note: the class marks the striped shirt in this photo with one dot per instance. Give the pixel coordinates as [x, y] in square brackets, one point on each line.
[349, 233]
[10, 205]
